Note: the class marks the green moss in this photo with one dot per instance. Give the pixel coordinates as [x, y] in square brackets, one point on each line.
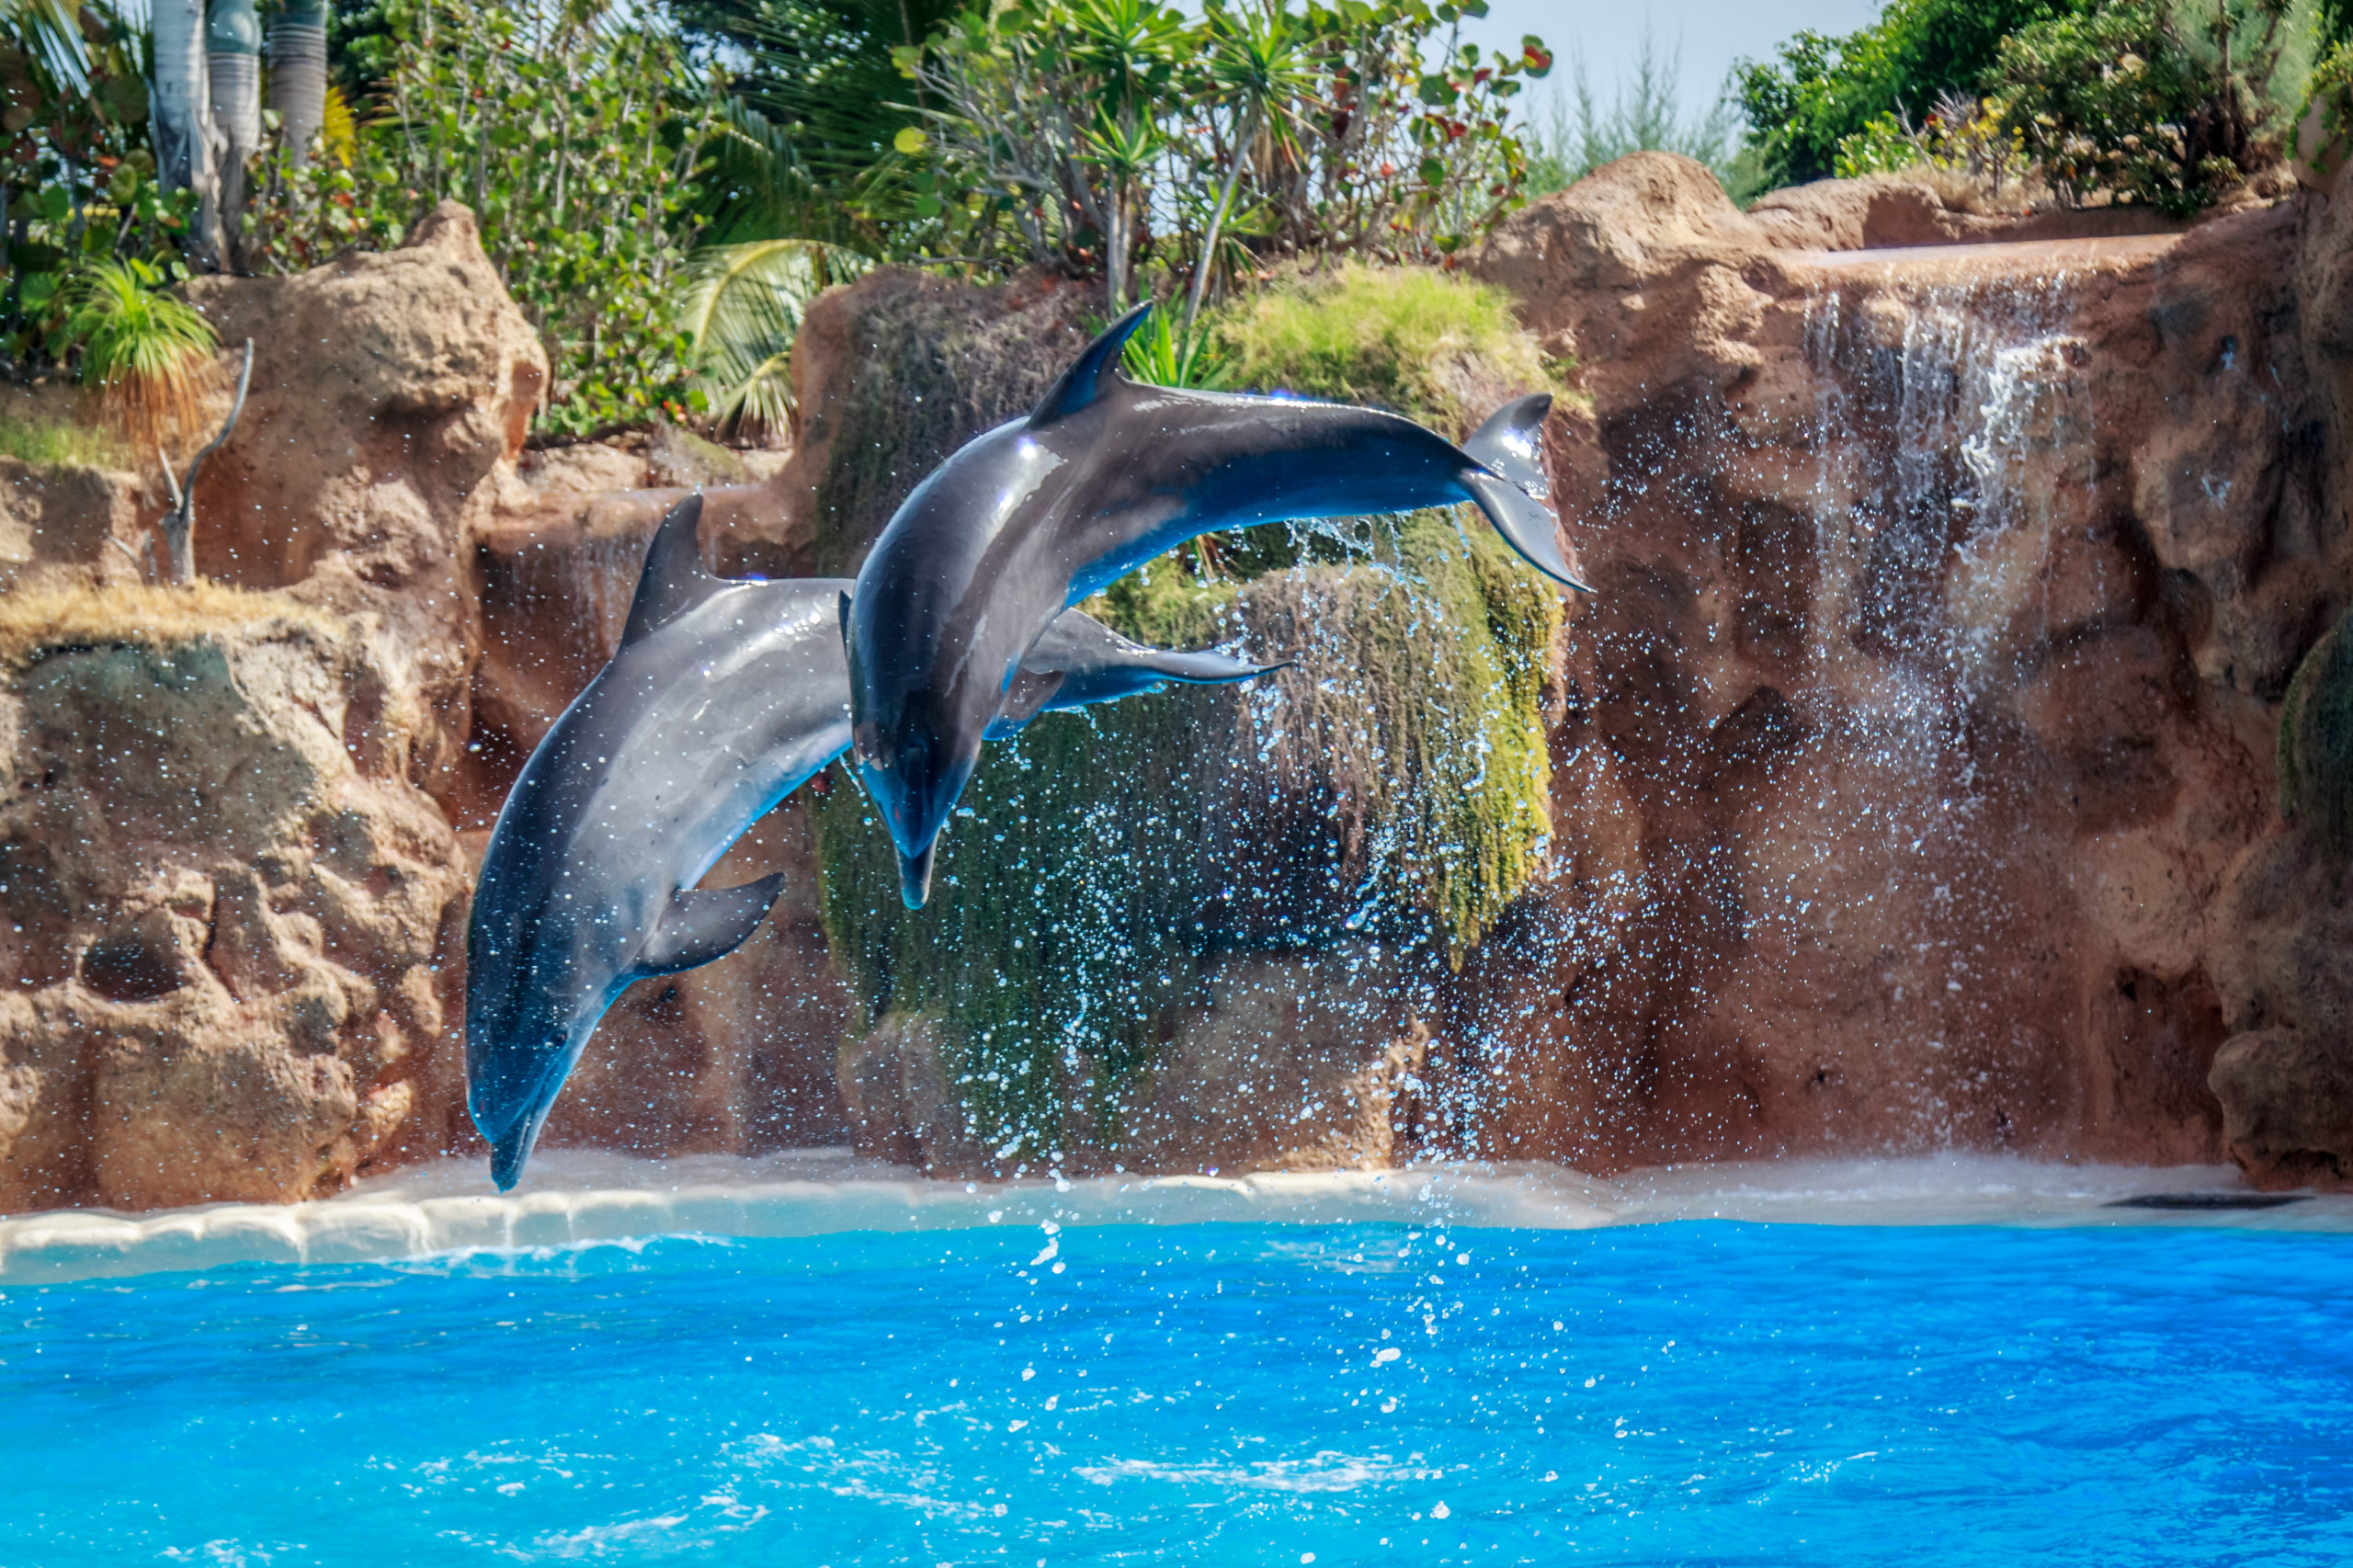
[2316, 740]
[1402, 337]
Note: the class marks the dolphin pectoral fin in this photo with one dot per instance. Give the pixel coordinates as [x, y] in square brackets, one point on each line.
[1031, 693]
[845, 614]
[1506, 443]
[1082, 384]
[915, 874]
[706, 924]
[675, 579]
[1526, 525]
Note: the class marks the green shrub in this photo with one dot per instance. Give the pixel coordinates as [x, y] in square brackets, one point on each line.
[577, 134]
[1824, 89]
[1101, 137]
[1399, 337]
[2169, 103]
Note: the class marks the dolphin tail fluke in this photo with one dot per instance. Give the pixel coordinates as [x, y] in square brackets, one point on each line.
[706, 924]
[1507, 443]
[1526, 525]
[915, 874]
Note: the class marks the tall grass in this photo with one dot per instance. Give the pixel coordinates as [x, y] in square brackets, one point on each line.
[62, 443]
[146, 355]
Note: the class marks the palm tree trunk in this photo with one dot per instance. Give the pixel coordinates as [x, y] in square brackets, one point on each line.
[298, 72]
[181, 112]
[1242, 146]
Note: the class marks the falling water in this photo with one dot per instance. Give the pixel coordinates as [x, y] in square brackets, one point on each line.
[1955, 446]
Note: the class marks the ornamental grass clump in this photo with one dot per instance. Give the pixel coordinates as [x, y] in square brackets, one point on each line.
[145, 356]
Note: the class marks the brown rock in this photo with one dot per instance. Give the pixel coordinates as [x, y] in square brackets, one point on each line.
[231, 921]
[2287, 1106]
[1947, 595]
[1294, 1062]
[386, 390]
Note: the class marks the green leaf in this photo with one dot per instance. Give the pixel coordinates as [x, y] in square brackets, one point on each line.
[910, 141]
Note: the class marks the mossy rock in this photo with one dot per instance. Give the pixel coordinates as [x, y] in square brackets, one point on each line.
[2316, 741]
[1390, 786]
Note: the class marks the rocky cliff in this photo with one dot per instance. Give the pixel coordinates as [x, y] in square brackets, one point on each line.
[1915, 774]
[1926, 710]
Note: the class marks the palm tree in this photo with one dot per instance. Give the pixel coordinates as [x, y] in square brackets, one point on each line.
[233, 68]
[1257, 65]
[743, 305]
[180, 105]
[298, 70]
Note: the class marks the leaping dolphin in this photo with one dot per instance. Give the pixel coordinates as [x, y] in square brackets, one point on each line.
[722, 698]
[1031, 518]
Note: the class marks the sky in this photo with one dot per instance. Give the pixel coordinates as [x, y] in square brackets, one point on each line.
[1713, 33]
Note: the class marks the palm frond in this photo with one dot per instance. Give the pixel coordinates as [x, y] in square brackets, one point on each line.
[50, 30]
[742, 304]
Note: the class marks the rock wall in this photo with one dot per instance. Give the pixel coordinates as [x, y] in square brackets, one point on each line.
[228, 921]
[1923, 750]
[1914, 775]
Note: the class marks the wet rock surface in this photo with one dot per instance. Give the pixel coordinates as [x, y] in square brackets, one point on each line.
[1927, 702]
[230, 924]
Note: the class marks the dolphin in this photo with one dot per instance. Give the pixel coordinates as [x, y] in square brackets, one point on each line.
[723, 698]
[1034, 515]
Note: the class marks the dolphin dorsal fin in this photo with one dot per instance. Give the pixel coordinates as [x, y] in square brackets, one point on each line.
[1083, 382]
[700, 925]
[675, 580]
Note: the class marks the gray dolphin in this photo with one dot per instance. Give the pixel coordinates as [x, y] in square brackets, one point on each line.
[723, 698]
[1031, 518]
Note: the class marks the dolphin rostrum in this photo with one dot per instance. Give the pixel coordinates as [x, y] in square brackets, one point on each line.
[1031, 518]
[723, 698]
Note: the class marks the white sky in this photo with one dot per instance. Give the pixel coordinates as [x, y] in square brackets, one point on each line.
[1713, 34]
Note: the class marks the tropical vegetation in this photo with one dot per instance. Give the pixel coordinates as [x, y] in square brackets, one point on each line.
[2172, 103]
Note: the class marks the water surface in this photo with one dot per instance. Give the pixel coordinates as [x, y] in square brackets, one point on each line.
[1698, 1393]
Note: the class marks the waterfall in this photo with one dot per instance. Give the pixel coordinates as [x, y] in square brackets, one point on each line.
[1953, 443]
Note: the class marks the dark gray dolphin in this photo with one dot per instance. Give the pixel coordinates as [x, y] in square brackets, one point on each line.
[721, 700]
[1041, 512]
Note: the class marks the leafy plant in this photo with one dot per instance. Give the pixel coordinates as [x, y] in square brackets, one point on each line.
[77, 177]
[146, 355]
[1824, 89]
[577, 133]
[2169, 104]
[820, 104]
[1162, 353]
[741, 307]
[1103, 136]
[1961, 133]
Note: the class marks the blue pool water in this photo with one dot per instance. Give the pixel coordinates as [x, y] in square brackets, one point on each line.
[1215, 1394]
